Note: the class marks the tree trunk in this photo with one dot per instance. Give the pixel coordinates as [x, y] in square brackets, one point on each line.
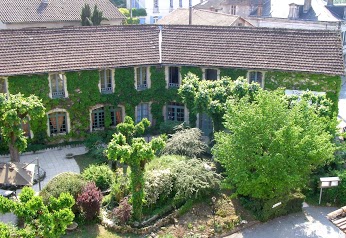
[14, 152]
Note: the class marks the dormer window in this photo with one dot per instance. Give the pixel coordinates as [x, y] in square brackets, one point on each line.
[233, 10]
[57, 83]
[106, 81]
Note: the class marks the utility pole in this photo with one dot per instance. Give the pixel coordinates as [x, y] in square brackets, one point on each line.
[190, 12]
[131, 9]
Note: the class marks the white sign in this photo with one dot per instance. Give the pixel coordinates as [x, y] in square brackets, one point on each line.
[300, 92]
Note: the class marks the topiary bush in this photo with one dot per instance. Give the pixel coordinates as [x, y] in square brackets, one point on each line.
[186, 142]
[102, 175]
[68, 182]
[90, 201]
[122, 213]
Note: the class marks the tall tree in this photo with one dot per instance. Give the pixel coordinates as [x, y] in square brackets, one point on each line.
[14, 110]
[135, 152]
[272, 146]
[91, 20]
[210, 96]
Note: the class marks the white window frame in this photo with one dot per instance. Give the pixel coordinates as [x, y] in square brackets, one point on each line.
[98, 106]
[5, 84]
[167, 73]
[204, 70]
[257, 71]
[155, 19]
[101, 71]
[149, 116]
[148, 83]
[65, 93]
[166, 108]
[68, 123]
[233, 10]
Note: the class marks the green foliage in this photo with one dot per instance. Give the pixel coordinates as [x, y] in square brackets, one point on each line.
[131, 21]
[135, 152]
[178, 178]
[168, 127]
[211, 96]
[304, 81]
[91, 20]
[71, 183]
[102, 175]
[121, 187]
[273, 148]
[125, 11]
[140, 12]
[186, 142]
[264, 210]
[15, 109]
[41, 220]
[119, 3]
[233, 73]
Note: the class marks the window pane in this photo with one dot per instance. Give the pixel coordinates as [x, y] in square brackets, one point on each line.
[57, 123]
[98, 118]
[175, 112]
[173, 77]
[211, 74]
[106, 80]
[116, 115]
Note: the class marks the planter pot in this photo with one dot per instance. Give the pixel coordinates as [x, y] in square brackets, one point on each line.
[72, 227]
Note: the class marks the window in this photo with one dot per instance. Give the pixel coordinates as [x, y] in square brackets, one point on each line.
[57, 123]
[156, 6]
[155, 19]
[3, 86]
[116, 115]
[233, 10]
[211, 74]
[256, 77]
[26, 128]
[175, 112]
[180, 3]
[98, 118]
[141, 76]
[173, 77]
[57, 85]
[106, 79]
[142, 112]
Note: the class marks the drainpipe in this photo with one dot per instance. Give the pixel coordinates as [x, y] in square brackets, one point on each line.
[160, 44]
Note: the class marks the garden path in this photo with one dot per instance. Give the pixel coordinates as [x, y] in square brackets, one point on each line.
[53, 161]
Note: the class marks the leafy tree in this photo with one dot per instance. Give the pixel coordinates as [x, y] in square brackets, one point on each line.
[135, 152]
[119, 3]
[41, 220]
[15, 110]
[272, 145]
[211, 96]
[91, 20]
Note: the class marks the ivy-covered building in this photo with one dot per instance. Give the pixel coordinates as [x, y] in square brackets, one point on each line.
[89, 78]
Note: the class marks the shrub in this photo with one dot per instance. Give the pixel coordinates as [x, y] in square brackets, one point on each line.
[168, 127]
[122, 213]
[71, 183]
[158, 185]
[102, 175]
[90, 201]
[263, 209]
[121, 187]
[192, 179]
[186, 142]
[139, 12]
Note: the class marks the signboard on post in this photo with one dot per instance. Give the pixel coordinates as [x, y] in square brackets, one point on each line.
[328, 182]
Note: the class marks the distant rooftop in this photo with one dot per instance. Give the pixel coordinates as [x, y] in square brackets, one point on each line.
[18, 11]
[180, 16]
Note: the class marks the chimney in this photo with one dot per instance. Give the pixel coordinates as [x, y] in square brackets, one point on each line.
[330, 2]
[294, 11]
[212, 8]
[307, 6]
[260, 10]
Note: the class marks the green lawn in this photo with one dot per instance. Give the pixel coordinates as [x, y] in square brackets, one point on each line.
[85, 160]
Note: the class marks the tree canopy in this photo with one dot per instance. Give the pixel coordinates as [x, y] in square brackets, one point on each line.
[16, 109]
[210, 96]
[91, 20]
[273, 144]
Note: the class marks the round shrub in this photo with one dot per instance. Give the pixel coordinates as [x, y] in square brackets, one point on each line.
[102, 175]
[122, 213]
[68, 182]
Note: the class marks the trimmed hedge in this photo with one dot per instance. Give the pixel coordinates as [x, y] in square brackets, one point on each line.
[264, 210]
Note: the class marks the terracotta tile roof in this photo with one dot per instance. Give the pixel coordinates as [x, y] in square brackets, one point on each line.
[254, 48]
[16, 11]
[67, 49]
[30, 51]
[180, 16]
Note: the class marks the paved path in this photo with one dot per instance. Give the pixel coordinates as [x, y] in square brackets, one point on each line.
[53, 161]
[312, 223]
